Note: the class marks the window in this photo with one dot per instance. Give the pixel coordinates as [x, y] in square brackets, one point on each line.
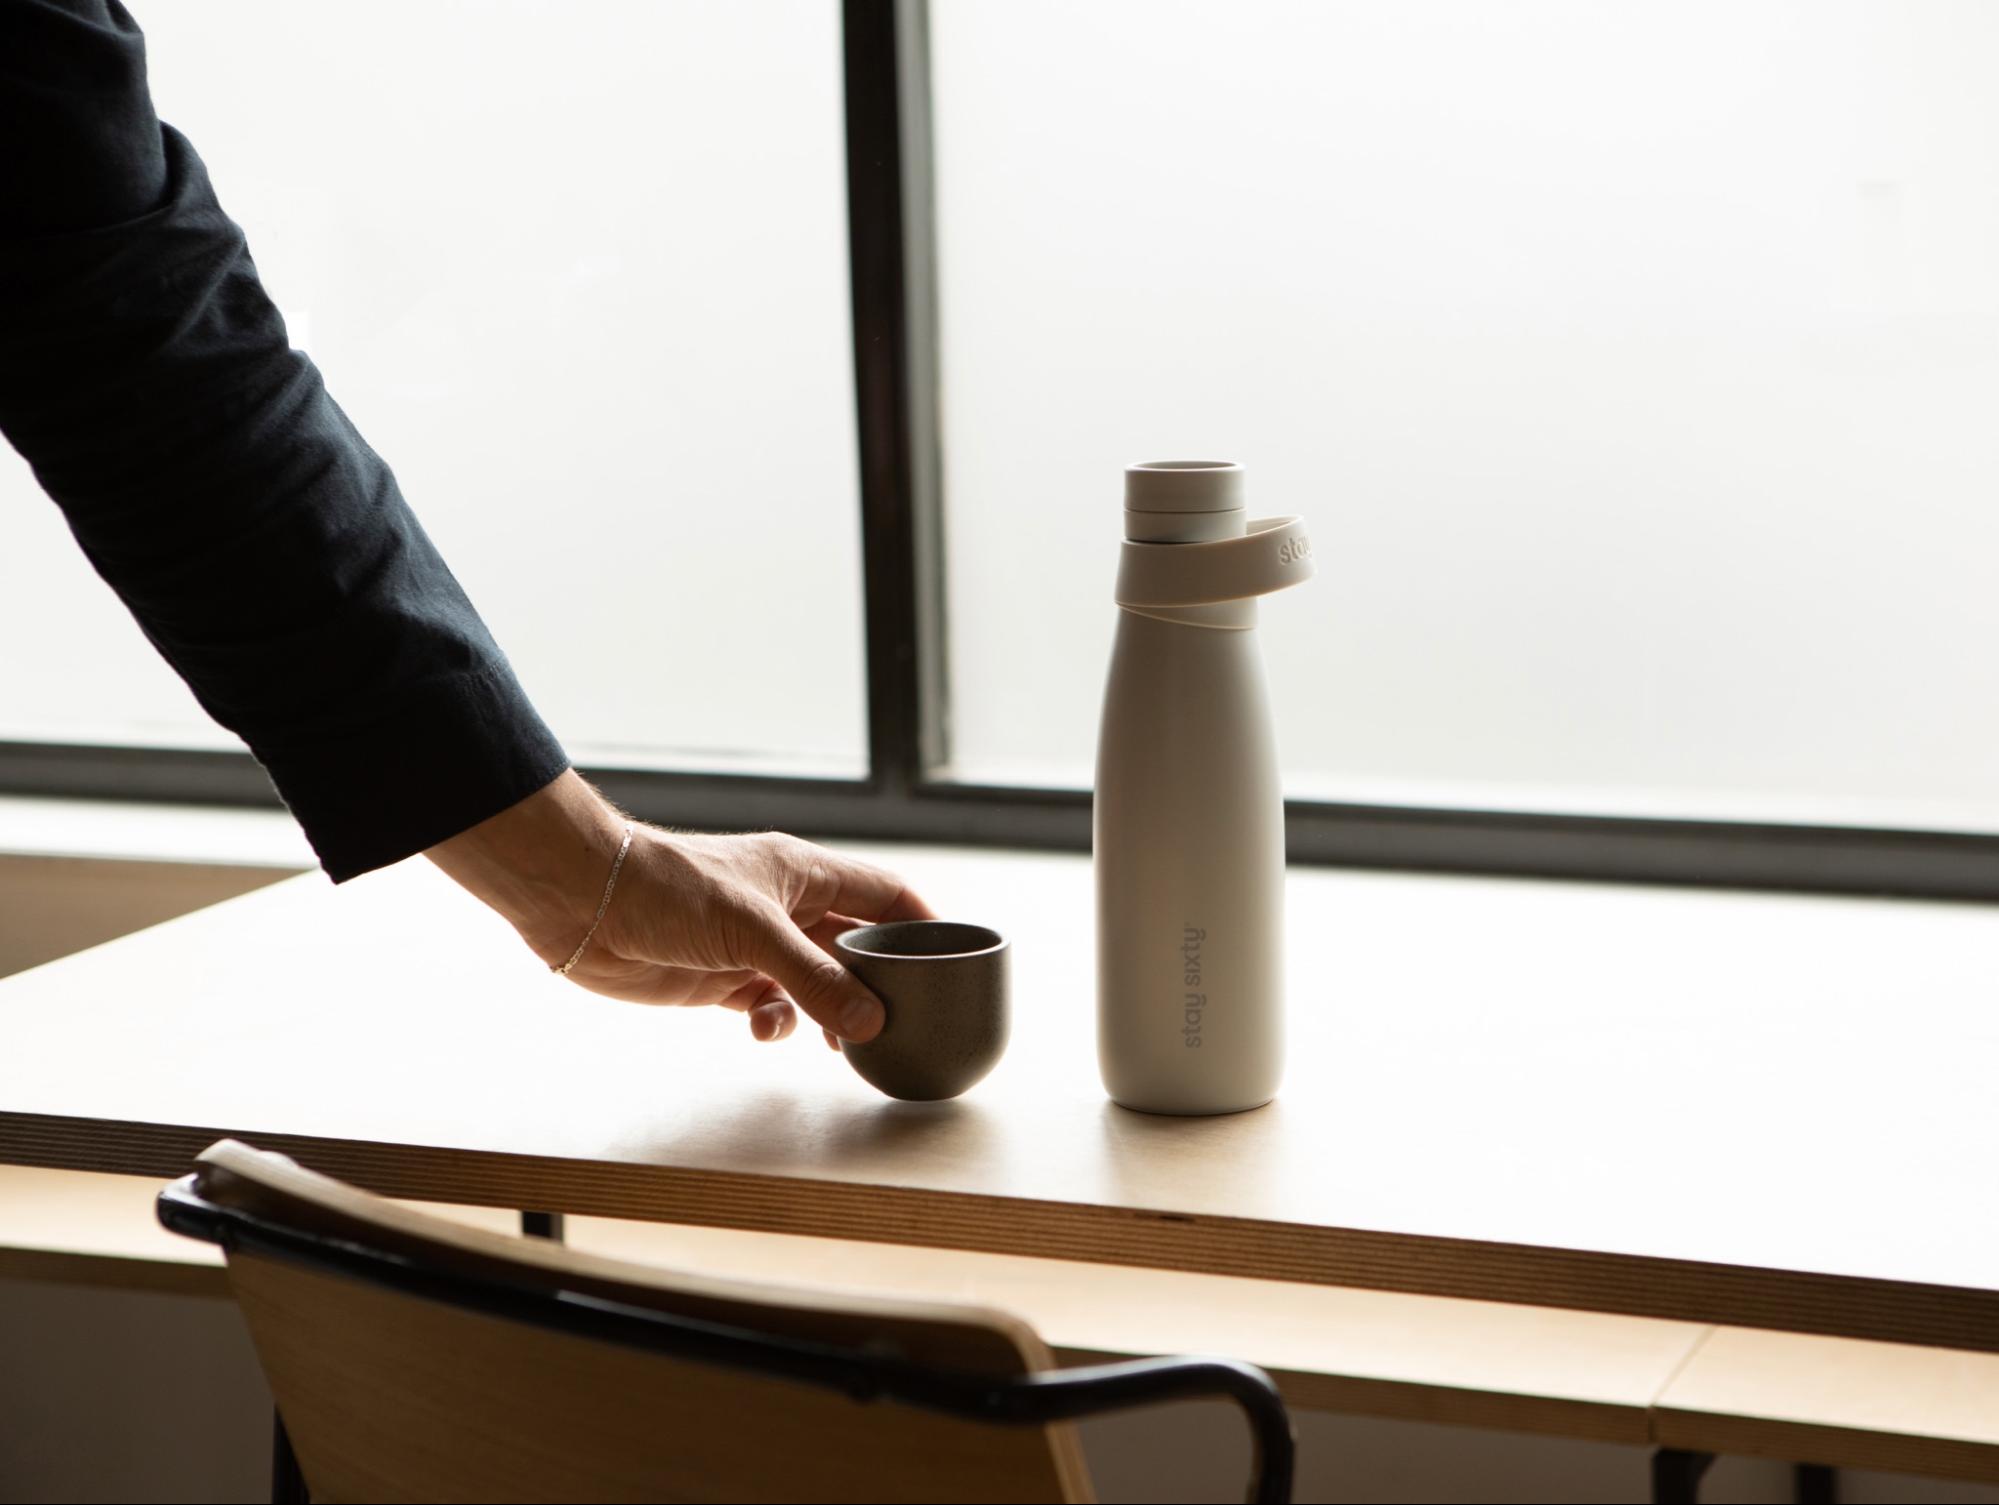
[580, 274]
[1637, 368]
[1635, 365]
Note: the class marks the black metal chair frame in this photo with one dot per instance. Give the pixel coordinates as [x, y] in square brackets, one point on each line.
[1023, 1400]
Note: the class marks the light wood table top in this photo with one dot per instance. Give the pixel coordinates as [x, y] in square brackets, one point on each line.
[1729, 1108]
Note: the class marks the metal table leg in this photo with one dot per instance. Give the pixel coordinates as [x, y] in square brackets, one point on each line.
[287, 1483]
[546, 1225]
[1676, 1475]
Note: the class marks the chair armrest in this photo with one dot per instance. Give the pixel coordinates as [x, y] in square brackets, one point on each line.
[1070, 1394]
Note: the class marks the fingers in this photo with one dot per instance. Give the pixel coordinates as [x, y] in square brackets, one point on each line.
[832, 995]
[772, 1021]
[827, 930]
[653, 983]
[871, 893]
[771, 1013]
[823, 935]
[834, 884]
[770, 1009]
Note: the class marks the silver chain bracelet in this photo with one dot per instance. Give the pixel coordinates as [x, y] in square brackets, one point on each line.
[577, 955]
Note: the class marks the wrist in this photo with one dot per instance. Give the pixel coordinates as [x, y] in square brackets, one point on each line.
[540, 863]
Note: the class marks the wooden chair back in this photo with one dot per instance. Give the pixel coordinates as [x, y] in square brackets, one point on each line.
[392, 1394]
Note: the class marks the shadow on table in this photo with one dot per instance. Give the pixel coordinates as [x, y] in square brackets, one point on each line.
[1158, 1160]
[777, 1132]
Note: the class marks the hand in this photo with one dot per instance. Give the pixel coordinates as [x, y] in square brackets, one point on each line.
[746, 922]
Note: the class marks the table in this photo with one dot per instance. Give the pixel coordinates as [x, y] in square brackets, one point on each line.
[1753, 1110]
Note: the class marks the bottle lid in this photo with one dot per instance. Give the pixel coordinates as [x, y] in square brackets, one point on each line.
[1183, 486]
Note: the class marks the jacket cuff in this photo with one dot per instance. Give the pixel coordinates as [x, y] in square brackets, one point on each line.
[468, 747]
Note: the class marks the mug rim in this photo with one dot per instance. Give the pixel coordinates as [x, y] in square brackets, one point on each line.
[846, 941]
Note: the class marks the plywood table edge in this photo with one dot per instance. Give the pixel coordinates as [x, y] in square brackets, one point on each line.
[1629, 1285]
[1834, 1446]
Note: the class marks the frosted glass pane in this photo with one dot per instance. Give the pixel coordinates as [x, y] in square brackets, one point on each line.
[579, 272]
[1637, 366]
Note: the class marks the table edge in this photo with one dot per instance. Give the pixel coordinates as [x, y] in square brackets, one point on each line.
[1936, 1316]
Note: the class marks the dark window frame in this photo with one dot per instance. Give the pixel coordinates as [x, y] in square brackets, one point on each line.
[908, 794]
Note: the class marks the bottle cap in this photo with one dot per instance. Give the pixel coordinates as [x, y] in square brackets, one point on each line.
[1183, 486]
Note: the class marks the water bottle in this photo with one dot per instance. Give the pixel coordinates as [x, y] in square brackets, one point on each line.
[1189, 817]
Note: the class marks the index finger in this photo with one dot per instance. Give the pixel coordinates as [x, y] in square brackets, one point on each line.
[871, 893]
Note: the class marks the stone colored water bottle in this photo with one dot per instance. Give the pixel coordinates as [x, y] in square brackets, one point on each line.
[1189, 819]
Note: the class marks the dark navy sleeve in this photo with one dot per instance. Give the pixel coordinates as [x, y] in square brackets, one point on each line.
[264, 548]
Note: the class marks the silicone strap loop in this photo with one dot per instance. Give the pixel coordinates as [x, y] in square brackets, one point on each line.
[1274, 553]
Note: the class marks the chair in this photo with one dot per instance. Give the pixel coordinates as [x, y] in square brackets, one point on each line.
[415, 1359]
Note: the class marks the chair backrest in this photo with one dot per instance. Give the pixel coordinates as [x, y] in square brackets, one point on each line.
[394, 1390]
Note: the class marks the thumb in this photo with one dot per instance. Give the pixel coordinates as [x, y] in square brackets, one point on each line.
[832, 995]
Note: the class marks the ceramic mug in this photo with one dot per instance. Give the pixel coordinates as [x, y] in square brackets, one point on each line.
[943, 986]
